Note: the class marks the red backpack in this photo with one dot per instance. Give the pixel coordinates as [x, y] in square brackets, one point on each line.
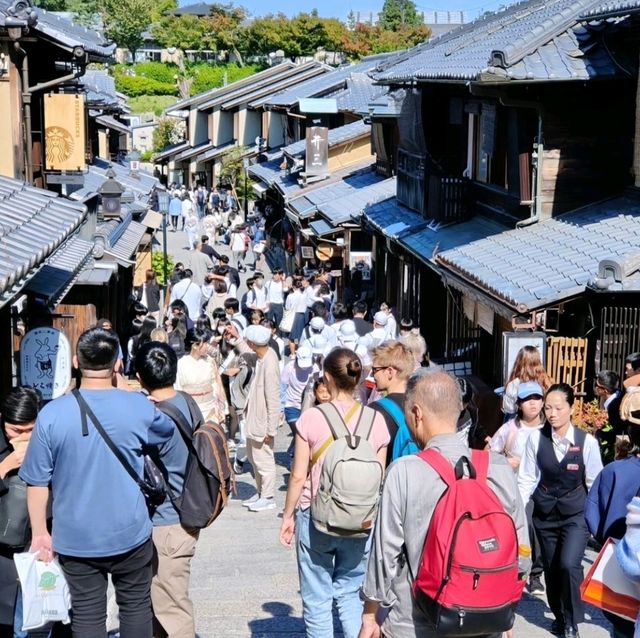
[468, 582]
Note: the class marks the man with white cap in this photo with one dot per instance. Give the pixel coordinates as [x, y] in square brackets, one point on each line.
[347, 335]
[379, 333]
[262, 418]
[318, 326]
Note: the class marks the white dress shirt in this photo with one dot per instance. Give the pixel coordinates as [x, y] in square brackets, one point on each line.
[529, 472]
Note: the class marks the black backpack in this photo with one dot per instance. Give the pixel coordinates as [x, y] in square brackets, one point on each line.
[208, 479]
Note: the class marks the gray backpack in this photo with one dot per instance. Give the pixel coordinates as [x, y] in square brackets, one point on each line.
[351, 478]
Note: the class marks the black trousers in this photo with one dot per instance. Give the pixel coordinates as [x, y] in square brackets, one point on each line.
[131, 576]
[563, 541]
[537, 566]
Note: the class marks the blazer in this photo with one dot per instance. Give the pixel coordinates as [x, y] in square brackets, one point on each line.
[263, 403]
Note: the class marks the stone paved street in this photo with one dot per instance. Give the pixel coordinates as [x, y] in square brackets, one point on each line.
[244, 583]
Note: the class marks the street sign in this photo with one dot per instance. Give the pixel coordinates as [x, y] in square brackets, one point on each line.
[65, 178]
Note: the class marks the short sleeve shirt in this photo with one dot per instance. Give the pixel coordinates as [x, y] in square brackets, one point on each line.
[314, 429]
[98, 509]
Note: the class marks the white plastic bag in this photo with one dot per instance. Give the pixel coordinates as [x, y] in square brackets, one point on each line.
[45, 593]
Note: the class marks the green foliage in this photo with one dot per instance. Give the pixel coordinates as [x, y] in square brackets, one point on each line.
[301, 35]
[232, 173]
[155, 104]
[167, 132]
[126, 20]
[396, 14]
[157, 263]
[206, 76]
[181, 32]
[157, 71]
[52, 5]
[367, 40]
[146, 156]
[134, 86]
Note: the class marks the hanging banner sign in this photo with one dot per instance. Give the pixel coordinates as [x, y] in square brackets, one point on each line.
[317, 153]
[45, 362]
[64, 133]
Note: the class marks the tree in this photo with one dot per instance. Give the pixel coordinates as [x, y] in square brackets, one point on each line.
[168, 132]
[398, 13]
[224, 28]
[233, 174]
[126, 20]
[182, 32]
[366, 40]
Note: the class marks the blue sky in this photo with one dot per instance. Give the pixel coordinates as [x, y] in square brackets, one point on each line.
[340, 8]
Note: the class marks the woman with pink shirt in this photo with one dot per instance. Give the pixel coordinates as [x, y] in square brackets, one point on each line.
[330, 567]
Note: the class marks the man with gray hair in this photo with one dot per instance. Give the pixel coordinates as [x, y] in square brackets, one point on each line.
[412, 489]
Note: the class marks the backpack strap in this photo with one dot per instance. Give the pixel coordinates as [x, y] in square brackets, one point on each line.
[393, 410]
[367, 416]
[480, 461]
[334, 419]
[440, 464]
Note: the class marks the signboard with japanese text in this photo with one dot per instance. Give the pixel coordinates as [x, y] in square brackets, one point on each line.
[45, 362]
[317, 154]
[64, 133]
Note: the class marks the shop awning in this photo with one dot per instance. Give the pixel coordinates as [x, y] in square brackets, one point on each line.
[152, 219]
[125, 247]
[393, 219]
[322, 228]
[213, 153]
[110, 122]
[58, 274]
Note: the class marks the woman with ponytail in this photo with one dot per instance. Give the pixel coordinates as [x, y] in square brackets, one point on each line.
[330, 567]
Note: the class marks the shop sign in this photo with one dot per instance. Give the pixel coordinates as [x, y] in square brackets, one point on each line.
[45, 362]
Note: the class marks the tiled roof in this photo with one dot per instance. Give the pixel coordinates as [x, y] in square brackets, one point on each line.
[392, 219]
[553, 260]
[322, 228]
[272, 175]
[57, 275]
[344, 200]
[57, 28]
[530, 40]
[100, 89]
[214, 152]
[330, 82]
[191, 151]
[386, 105]
[169, 151]
[137, 189]
[247, 84]
[33, 223]
[359, 93]
[115, 125]
[198, 9]
[425, 243]
[614, 8]
[337, 136]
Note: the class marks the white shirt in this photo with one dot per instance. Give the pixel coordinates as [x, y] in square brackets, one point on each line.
[275, 290]
[301, 305]
[529, 472]
[257, 299]
[294, 299]
[191, 294]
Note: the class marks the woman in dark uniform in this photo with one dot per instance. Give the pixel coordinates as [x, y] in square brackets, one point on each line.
[559, 465]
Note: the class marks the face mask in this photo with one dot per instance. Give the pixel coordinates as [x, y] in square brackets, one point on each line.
[233, 341]
[221, 330]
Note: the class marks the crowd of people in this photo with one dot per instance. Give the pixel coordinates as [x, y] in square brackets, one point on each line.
[369, 415]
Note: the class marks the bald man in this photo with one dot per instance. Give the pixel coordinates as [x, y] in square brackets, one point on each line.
[432, 407]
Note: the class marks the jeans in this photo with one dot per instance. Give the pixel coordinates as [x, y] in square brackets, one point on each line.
[131, 576]
[330, 568]
[291, 415]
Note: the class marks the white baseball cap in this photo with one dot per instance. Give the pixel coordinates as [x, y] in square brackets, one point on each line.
[380, 318]
[304, 356]
[317, 324]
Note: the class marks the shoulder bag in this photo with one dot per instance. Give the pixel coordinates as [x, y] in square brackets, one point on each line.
[152, 484]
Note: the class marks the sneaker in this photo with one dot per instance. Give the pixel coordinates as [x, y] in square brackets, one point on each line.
[231, 444]
[535, 587]
[238, 466]
[250, 501]
[262, 504]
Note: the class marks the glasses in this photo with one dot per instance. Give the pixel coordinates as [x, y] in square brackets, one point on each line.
[376, 369]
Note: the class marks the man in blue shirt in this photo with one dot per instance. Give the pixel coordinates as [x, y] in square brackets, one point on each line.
[101, 523]
[175, 546]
